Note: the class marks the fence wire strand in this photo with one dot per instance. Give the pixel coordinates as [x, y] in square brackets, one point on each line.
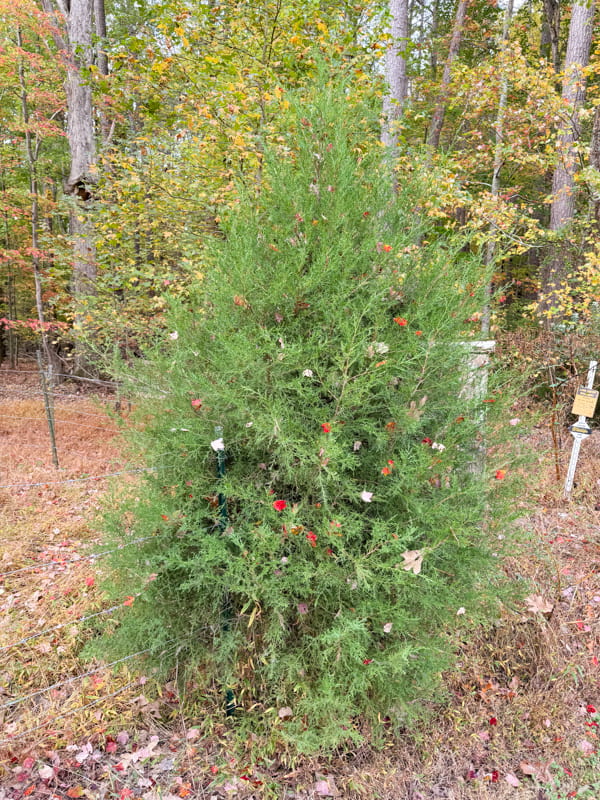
[68, 713]
[88, 557]
[57, 420]
[61, 375]
[76, 710]
[72, 622]
[78, 480]
[18, 700]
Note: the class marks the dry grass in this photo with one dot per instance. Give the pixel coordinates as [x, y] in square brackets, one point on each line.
[518, 698]
[47, 529]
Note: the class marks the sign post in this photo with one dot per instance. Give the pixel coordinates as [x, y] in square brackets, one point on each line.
[584, 406]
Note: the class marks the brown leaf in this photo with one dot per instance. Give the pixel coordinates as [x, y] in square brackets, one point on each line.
[585, 746]
[412, 561]
[324, 788]
[538, 604]
[539, 771]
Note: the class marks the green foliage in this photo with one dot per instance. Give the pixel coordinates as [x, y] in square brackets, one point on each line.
[324, 351]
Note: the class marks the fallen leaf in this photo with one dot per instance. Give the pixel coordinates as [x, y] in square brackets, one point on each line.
[122, 737]
[323, 789]
[586, 747]
[285, 713]
[412, 561]
[46, 772]
[539, 771]
[538, 604]
[512, 779]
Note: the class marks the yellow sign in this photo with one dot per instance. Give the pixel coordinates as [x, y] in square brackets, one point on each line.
[585, 402]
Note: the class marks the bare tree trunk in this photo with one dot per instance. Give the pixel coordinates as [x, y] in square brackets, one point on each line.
[396, 73]
[435, 11]
[32, 149]
[77, 55]
[562, 209]
[490, 252]
[595, 162]
[100, 28]
[77, 52]
[437, 120]
[550, 40]
[11, 294]
[80, 133]
[102, 63]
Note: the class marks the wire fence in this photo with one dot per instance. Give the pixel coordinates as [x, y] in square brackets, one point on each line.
[61, 412]
[69, 421]
[62, 625]
[171, 646]
[62, 562]
[24, 698]
[42, 725]
[66, 375]
[79, 480]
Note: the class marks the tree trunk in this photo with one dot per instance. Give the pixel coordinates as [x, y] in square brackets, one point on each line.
[490, 252]
[32, 149]
[106, 128]
[100, 28]
[77, 52]
[395, 73]
[595, 162]
[562, 209]
[433, 55]
[550, 40]
[437, 120]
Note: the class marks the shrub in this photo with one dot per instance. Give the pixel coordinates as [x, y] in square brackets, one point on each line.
[318, 563]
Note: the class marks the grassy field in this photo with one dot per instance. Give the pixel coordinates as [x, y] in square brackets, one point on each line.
[519, 719]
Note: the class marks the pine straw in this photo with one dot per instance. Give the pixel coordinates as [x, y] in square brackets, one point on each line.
[533, 673]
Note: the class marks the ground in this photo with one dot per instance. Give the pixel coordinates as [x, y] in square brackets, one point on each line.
[519, 719]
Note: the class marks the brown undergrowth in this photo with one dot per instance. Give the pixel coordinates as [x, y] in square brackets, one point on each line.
[518, 717]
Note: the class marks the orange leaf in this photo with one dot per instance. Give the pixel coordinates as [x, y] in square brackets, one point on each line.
[76, 791]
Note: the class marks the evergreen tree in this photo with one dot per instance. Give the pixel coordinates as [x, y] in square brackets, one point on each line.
[316, 522]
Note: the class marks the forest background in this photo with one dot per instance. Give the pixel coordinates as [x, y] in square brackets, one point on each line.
[127, 133]
[133, 133]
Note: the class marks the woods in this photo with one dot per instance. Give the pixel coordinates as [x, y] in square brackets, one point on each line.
[122, 133]
[280, 241]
